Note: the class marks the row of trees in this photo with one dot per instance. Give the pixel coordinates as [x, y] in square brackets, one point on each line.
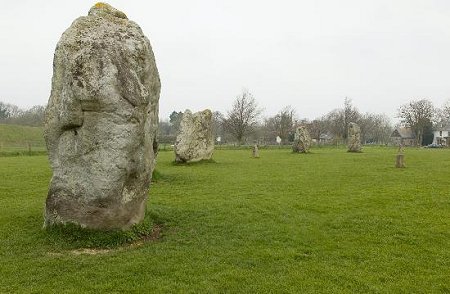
[12, 114]
[243, 122]
[421, 116]
[375, 128]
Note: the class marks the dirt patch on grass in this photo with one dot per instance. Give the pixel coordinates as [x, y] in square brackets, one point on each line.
[90, 251]
[154, 236]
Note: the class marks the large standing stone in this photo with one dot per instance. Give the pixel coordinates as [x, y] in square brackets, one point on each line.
[302, 140]
[101, 122]
[354, 138]
[195, 140]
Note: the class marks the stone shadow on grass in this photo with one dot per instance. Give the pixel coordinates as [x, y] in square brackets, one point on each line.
[73, 237]
[201, 162]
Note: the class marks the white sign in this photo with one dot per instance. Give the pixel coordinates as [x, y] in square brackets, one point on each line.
[278, 140]
[219, 139]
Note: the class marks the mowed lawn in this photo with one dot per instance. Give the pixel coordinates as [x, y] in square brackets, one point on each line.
[329, 221]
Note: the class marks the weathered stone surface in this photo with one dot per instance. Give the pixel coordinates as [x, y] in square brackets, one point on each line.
[195, 140]
[255, 151]
[354, 138]
[101, 122]
[302, 140]
[400, 161]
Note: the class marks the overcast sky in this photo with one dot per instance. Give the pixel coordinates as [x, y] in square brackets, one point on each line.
[307, 54]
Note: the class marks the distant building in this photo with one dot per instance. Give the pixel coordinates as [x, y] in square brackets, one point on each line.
[441, 134]
[404, 136]
[324, 139]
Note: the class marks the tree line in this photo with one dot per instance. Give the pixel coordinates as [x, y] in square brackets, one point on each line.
[12, 114]
[422, 116]
[243, 122]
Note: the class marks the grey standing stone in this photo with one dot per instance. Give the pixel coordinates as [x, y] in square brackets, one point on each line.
[400, 159]
[302, 140]
[354, 138]
[255, 151]
[195, 140]
[101, 122]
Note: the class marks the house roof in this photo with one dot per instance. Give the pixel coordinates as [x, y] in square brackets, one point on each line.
[404, 133]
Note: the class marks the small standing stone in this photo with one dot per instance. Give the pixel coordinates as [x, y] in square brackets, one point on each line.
[399, 163]
[255, 151]
[354, 138]
[195, 139]
[302, 140]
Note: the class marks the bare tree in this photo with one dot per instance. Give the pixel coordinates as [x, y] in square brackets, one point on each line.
[164, 127]
[317, 128]
[351, 114]
[175, 120]
[32, 117]
[4, 113]
[335, 124]
[12, 114]
[339, 119]
[8, 111]
[446, 109]
[243, 116]
[282, 123]
[418, 115]
[285, 120]
[367, 124]
[375, 128]
[218, 129]
[443, 114]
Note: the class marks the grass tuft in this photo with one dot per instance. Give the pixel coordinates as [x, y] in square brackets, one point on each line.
[156, 176]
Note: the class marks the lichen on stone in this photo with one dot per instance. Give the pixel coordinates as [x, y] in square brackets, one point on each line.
[302, 140]
[354, 138]
[102, 8]
[101, 122]
[195, 140]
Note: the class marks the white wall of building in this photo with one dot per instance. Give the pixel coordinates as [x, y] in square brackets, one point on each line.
[439, 134]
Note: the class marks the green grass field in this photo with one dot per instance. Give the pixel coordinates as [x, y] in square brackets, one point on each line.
[21, 140]
[330, 222]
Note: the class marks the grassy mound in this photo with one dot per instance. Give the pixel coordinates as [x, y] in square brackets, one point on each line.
[18, 140]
